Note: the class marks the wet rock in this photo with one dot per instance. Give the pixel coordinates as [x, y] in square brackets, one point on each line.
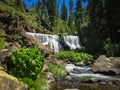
[8, 82]
[82, 63]
[68, 78]
[91, 80]
[77, 71]
[103, 83]
[106, 65]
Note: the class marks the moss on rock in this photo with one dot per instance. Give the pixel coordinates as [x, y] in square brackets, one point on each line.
[9, 82]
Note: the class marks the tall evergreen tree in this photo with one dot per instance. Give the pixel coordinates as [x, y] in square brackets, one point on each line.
[19, 3]
[52, 12]
[38, 9]
[71, 18]
[78, 14]
[44, 9]
[113, 19]
[64, 12]
[96, 17]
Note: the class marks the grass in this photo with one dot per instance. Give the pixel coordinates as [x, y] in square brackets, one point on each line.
[58, 70]
[39, 84]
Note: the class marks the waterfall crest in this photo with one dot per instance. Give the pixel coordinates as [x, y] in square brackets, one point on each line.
[54, 41]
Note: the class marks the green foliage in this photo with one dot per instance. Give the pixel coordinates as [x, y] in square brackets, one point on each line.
[28, 82]
[39, 84]
[73, 56]
[58, 70]
[112, 49]
[28, 62]
[52, 12]
[64, 12]
[2, 39]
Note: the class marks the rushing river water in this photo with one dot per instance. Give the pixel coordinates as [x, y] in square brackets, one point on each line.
[81, 74]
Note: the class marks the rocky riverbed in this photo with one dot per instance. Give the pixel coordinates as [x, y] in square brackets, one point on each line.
[84, 77]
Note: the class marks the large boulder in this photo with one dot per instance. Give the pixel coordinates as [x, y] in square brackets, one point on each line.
[8, 82]
[106, 65]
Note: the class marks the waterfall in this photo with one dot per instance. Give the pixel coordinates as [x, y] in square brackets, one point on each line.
[72, 41]
[54, 41]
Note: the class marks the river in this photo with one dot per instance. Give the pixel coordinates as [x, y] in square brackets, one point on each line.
[85, 80]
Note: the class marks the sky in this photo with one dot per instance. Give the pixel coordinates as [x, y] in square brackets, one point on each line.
[29, 4]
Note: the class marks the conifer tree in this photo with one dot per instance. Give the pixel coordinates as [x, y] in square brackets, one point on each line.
[52, 12]
[19, 3]
[64, 12]
[78, 14]
[71, 17]
[38, 10]
[113, 19]
[96, 16]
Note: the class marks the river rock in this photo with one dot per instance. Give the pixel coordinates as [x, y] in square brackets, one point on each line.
[68, 78]
[91, 80]
[76, 71]
[8, 82]
[106, 65]
[82, 63]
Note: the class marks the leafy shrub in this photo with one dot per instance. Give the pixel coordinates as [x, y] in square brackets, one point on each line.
[73, 56]
[39, 84]
[28, 62]
[112, 49]
[2, 39]
[28, 82]
[59, 70]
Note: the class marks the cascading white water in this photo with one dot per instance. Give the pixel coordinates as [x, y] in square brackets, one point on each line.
[48, 40]
[86, 72]
[72, 41]
[53, 41]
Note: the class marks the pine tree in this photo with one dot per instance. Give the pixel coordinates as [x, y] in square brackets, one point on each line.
[113, 19]
[38, 10]
[71, 18]
[78, 15]
[96, 16]
[64, 12]
[52, 12]
[19, 3]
